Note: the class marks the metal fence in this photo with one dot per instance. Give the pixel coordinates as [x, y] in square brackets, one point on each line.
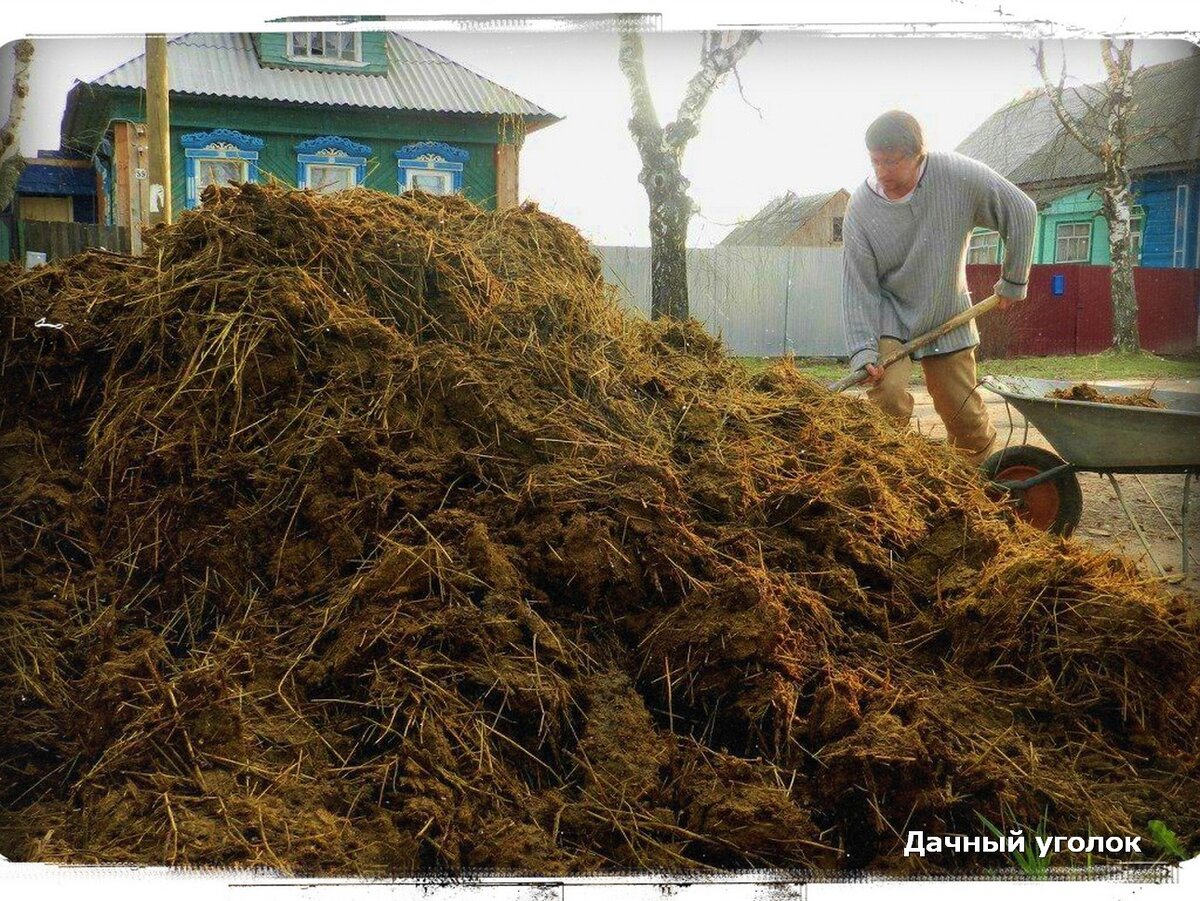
[763, 301]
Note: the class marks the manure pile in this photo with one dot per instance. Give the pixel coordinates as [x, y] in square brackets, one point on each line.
[364, 534]
[1084, 391]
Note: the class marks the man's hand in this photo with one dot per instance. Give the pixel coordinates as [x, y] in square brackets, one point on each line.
[874, 374]
[1005, 303]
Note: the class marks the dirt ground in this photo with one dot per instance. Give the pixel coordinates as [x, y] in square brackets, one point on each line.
[1156, 500]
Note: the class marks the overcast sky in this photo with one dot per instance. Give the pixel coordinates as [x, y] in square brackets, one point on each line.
[807, 100]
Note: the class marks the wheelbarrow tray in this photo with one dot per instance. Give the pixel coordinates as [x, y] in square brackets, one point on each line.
[1109, 437]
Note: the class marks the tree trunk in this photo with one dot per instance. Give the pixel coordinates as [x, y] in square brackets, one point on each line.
[1124, 299]
[11, 161]
[1109, 140]
[661, 150]
[670, 210]
[1117, 195]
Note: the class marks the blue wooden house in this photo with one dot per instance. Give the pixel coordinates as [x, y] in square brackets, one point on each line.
[323, 110]
[1025, 142]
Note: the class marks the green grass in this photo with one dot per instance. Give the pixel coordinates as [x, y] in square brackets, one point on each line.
[1028, 861]
[1095, 367]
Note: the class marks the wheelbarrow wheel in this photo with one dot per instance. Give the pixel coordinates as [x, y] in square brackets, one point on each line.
[1054, 505]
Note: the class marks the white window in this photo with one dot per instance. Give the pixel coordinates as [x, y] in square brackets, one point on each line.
[331, 163]
[220, 172]
[984, 248]
[1137, 224]
[326, 46]
[430, 166]
[222, 156]
[1181, 205]
[1073, 242]
[429, 181]
[327, 178]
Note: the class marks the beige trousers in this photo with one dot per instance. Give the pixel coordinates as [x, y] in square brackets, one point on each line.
[950, 380]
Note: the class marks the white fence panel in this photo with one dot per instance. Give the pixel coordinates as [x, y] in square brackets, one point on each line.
[763, 301]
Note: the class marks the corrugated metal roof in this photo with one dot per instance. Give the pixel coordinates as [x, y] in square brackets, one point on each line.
[1013, 133]
[1026, 143]
[60, 155]
[226, 65]
[777, 220]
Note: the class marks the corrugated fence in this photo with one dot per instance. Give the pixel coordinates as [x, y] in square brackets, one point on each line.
[1078, 319]
[767, 301]
[764, 301]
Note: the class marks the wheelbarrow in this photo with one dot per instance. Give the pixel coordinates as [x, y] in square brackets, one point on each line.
[1109, 439]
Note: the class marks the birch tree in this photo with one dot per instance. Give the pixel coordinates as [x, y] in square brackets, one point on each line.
[1108, 137]
[11, 162]
[661, 149]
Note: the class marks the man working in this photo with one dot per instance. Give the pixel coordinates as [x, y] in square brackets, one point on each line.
[905, 236]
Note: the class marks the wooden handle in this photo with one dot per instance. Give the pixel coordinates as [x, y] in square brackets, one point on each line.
[929, 337]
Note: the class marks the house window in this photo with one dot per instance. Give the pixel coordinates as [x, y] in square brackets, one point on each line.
[328, 178]
[1073, 242]
[837, 229]
[326, 46]
[430, 166]
[984, 247]
[430, 182]
[218, 157]
[331, 163]
[1137, 225]
[1181, 206]
[220, 172]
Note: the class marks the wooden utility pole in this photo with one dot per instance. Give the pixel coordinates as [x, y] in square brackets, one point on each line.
[158, 123]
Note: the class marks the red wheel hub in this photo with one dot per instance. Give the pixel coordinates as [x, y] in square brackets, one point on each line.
[1038, 505]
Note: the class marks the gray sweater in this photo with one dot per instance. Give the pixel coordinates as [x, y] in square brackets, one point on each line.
[904, 269]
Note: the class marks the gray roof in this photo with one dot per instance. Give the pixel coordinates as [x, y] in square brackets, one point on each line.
[775, 222]
[1025, 142]
[226, 65]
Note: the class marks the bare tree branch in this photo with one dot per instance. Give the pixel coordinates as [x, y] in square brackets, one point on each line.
[1161, 134]
[632, 60]
[716, 62]
[1054, 93]
[1110, 120]
[737, 77]
[1092, 113]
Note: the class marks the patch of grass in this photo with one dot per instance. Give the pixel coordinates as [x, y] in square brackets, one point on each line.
[1028, 861]
[1097, 367]
[1092, 367]
[1166, 839]
[823, 370]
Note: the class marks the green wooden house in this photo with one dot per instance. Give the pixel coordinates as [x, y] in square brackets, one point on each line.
[1025, 142]
[321, 110]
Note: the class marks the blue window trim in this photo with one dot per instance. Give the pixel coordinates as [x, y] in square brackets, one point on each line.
[439, 157]
[331, 150]
[1179, 244]
[201, 145]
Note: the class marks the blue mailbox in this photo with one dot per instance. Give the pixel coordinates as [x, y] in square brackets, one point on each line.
[1058, 284]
